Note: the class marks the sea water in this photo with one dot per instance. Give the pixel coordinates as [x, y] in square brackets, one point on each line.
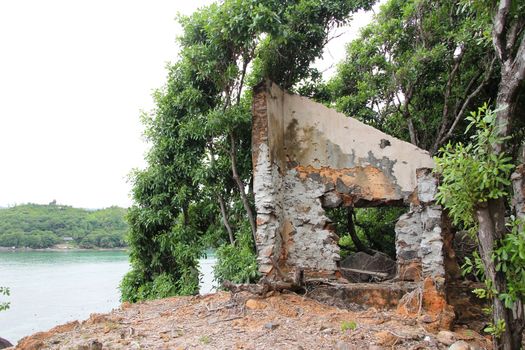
[49, 288]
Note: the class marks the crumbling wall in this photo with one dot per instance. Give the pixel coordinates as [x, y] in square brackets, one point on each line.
[419, 239]
[308, 157]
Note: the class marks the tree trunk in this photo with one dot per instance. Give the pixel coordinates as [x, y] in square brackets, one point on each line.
[225, 219]
[491, 216]
[240, 186]
[491, 219]
[505, 109]
[353, 234]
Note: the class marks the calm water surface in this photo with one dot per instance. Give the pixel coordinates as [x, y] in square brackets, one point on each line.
[51, 288]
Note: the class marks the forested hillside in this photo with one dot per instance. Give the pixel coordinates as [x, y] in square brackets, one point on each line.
[43, 226]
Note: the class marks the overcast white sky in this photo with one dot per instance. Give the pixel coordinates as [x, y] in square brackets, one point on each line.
[74, 76]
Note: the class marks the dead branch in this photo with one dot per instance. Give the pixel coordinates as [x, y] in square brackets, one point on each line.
[371, 273]
[262, 288]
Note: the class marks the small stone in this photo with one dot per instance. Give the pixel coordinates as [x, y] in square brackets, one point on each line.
[95, 345]
[342, 346]
[328, 331]
[271, 325]
[460, 345]
[386, 338]
[426, 319]
[212, 320]
[254, 304]
[446, 337]
[4, 343]
[91, 345]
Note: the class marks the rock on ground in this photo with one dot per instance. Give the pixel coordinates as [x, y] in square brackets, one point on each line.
[4, 343]
[379, 262]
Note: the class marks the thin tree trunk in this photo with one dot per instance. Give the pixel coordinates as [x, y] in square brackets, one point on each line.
[222, 206]
[240, 186]
[491, 228]
[404, 108]
[514, 318]
[225, 219]
[443, 134]
[411, 130]
[353, 234]
[491, 219]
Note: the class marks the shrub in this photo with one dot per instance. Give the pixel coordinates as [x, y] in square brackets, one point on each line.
[237, 263]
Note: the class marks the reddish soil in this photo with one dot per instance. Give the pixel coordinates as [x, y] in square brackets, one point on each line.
[245, 321]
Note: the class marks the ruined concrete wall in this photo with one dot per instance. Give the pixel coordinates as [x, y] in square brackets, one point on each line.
[408, 241]
[308, 157]
[267, 188]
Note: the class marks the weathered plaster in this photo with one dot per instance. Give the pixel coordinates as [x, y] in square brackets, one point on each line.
[317, 136]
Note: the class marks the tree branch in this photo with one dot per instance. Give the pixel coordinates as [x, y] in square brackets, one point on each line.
[240, 187]
[225, 219]
[499, 29]
[448, 88]
[514, 33]
[464, 105]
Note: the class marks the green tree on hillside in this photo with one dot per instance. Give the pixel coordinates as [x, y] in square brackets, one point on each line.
[43, 226]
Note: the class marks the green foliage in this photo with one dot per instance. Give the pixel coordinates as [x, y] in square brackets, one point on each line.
[374, 227]
[4, 305]
[205, 339]
[348, 325]
[237, 263]
[43, 226]
[510, 260]
[472, 173]
[474, 266]
[496, 329]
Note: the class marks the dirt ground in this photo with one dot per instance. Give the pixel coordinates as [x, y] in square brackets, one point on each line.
[245, 321]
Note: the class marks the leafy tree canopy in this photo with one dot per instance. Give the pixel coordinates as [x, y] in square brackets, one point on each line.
[416, 71]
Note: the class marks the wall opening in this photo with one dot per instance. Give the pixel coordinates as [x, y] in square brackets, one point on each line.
[366, 241]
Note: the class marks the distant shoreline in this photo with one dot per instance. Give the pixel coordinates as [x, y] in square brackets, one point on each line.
[58, 249]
